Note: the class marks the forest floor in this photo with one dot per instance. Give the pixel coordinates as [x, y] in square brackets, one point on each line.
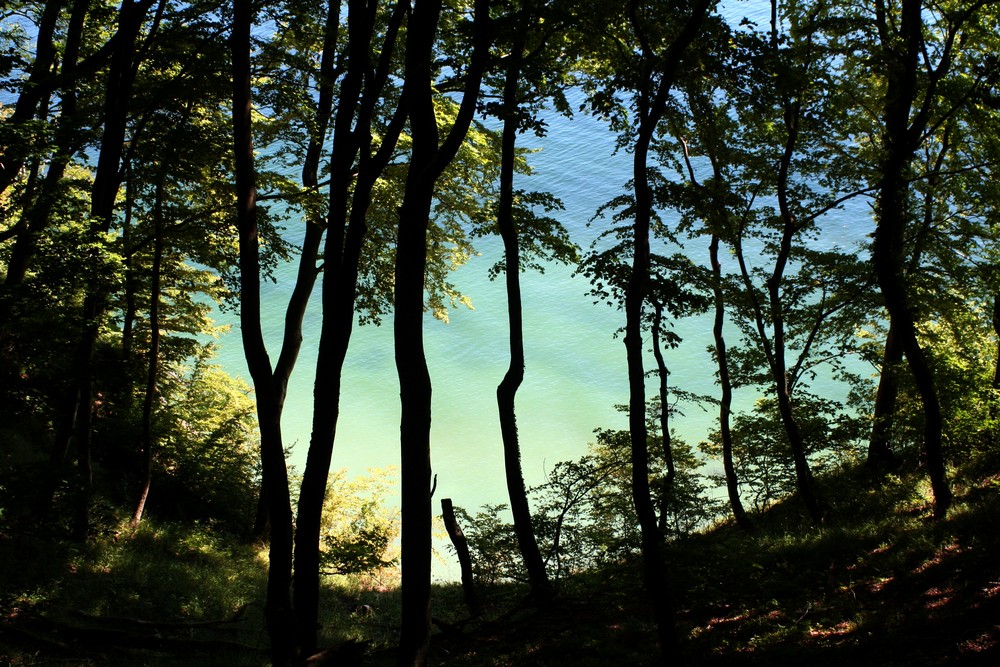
[880, 584]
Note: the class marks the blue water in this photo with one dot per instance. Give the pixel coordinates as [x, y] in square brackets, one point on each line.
[575, 367]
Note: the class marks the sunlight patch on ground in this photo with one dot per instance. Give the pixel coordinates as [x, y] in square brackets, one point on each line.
[841, 629]
[987, 641]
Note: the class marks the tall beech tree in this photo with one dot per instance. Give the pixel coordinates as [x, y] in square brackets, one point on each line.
[525, 65]
[913, 75]
[278, 607]
[429, 158]
[356, 165]
[657, 69]
[714, 203]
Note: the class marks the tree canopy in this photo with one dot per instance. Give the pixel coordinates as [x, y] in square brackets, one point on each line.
[160, 160]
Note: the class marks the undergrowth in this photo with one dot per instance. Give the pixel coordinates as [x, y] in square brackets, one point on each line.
[879, 583]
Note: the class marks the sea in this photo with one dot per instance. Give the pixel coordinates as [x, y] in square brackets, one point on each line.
[575, 367]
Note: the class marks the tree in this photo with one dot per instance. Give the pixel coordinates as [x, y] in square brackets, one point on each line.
[428, 161]
[656, 75]
[278, 608]
[356, 165]
[518, 104]
[913, 76]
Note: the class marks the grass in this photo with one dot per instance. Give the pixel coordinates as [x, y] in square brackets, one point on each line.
[881, 583]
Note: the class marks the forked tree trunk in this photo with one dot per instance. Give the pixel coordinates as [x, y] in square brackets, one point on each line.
[901, 139]
[277, 606]
[346, 230]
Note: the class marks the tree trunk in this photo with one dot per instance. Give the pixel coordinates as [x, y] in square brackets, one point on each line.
[359, 93]
[996, 330]
[880, 454]
[650, 110]
[726, 385]
[791, 114]
[464, 557]
[428, 161]
[541, 588]
[653, 567]
[901, 140]
[149, 400]
[277, 607]
[668, 454]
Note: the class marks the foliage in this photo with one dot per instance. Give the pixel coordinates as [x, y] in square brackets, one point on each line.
[359, 532]
[583, 515]
[763, 461]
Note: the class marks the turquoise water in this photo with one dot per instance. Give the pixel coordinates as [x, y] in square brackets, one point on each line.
[575, 367]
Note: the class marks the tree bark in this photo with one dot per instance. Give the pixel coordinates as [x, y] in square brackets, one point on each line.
[277, 607]
[880, 454]
[346, 230]
[650, 106]
[901, 139]
[149, 399]
[541, 588]
[662, 373]
[726, 385]
[464, 557]
[428, 161]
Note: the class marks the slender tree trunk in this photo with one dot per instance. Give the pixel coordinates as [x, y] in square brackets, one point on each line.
[346, 231]
[277, 607]
[994, 411]
[541, 588]
[653, 567]
[996, 330]
[726, 385]
[901, 140]
[880, 454]
[791, 115]
[668, 453]
[428, 161]
[305, 596]
[650, 107]
[464, 557]
[149, 400]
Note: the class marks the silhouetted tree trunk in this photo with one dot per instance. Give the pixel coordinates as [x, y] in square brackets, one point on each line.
[541, 588]
[902, 136]
[668, 454]
[996, 330]
[277, 607]
[726, 386]
[428, 161]
[360, 92]
[880, 454]
[464, 557]
[650, 106]
[149, 399]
